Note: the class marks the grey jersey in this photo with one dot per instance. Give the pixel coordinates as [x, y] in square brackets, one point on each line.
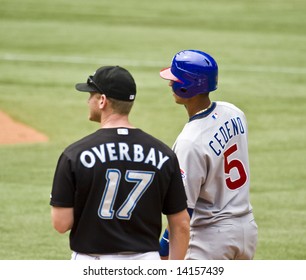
[212, 150]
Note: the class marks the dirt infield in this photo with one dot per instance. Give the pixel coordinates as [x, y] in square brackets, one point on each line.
[12, 132]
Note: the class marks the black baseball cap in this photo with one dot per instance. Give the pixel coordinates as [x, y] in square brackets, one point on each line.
[113, 81]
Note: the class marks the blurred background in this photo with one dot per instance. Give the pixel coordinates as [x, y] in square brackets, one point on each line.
[48, 46]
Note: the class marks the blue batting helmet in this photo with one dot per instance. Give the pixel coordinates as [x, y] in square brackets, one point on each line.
[192, 72]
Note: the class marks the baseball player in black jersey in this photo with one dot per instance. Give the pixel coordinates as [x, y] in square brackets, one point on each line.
[111, 187]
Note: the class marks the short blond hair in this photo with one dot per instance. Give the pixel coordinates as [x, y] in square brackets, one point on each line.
[121, 107]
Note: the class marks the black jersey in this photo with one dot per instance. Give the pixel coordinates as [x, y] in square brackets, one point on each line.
[118, 181]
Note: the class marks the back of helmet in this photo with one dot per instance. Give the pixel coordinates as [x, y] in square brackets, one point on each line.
[195, 71]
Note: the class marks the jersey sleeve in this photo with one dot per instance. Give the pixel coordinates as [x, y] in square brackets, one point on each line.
[193, 168]
[63, 188]
[175, 200]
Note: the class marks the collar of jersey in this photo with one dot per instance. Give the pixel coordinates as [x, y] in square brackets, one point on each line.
[204, 114]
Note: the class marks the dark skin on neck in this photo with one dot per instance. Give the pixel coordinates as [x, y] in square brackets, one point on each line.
[194, 104]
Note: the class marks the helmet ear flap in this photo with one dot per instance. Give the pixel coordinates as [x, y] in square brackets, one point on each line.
[184, 89]
[180, 89]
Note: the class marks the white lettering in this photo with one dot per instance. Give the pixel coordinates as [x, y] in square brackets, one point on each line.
[100, 154]
[151, 157]
[88, 155]
[138, 153]
[123, 151]
[162, 160]
[111, 151]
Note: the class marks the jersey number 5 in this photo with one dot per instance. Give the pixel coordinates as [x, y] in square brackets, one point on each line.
[141, 179]
[234, 163]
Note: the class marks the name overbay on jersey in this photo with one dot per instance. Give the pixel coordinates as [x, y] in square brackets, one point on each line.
[226, 131]
[122, 152]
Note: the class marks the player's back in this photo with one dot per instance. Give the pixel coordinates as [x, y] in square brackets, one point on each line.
[213, 154]
[123, 183]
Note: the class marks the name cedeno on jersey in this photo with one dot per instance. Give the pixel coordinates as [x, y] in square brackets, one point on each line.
[226, 131]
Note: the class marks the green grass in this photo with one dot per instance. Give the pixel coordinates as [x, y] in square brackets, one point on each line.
[48, 46]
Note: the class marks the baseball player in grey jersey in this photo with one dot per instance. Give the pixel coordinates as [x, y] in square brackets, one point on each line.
[212, 150]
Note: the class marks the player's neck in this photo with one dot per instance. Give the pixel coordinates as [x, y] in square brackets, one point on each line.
[115, 120]
[197, 106]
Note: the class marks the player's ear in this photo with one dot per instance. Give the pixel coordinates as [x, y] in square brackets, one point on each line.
[102, 101]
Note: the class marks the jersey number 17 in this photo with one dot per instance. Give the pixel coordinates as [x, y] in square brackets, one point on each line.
[141, 179]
